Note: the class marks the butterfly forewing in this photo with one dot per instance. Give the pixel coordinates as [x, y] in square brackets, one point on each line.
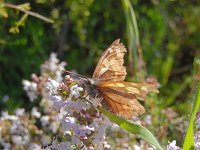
[110, 66]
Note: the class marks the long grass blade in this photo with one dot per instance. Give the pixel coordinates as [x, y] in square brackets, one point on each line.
[134, 47]
[189, 138]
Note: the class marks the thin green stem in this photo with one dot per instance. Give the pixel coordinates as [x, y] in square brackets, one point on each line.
[17, 7]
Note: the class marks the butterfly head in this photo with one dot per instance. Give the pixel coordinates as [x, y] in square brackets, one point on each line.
[92, 81]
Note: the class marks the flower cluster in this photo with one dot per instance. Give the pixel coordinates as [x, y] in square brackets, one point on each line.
[51, 68]
[26, 130]
[18, 132]
[36, 127]
[172, 145]
[83, 125]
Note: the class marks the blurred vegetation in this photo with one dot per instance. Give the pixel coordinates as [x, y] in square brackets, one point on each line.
[164, 43]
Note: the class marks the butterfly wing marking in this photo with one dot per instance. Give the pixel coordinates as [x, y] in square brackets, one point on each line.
[110, 66]
[121, 105]
[139, 90]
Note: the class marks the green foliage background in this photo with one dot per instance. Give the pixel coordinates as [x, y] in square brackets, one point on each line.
[169, 37]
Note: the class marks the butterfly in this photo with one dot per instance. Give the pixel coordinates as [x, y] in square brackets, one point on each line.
[107, 82]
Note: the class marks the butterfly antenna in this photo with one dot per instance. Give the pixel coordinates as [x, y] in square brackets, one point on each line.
[73, 73]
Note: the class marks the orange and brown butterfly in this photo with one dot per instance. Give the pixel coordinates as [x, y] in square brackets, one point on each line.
[108, 83]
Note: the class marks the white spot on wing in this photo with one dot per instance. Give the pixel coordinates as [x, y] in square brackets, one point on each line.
[110, 50]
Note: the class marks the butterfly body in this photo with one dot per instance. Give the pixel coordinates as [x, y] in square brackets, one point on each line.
[91, 88]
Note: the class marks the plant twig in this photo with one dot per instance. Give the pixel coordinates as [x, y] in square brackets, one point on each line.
[29, 12]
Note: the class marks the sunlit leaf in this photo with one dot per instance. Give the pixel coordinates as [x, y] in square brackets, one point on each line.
[136, 129]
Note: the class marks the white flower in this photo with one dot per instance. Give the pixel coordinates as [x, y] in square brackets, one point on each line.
[6, 146]
[19, 111]
[90, 128]
[198, 120]
[20, 134]
[67, 77]
[53, 60]
[31, 89]
[82, 131]
[76, 140]
[60, 116]
[151, 148]
[71, 106]
[58, 76]
[45, 140]
[197, 145]
[197, 140]
[6, 116]
[59, 71]
[148, 119]
[46, 103]
[136, 120]
[52, 66]
[172, 146]
[77, 106]
[98, 136]
[20, 140]
[96, 102]
[34, 146]
[81, 104]
[58, 103]
[65, 146]
[52, 86]
[60, 146]
[15, 127]
[198, 123]
[115, 128]
[68, 123]
[35, 113]
[137, 147]
[75, 91]
[106, 145]
[44, 120]
[54, 127]
[100, 125]
[29, 85]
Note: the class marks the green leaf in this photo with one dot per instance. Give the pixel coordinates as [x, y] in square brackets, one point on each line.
[136, 129]
[189, 138]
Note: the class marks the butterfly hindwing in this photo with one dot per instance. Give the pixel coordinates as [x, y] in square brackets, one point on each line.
[122, 97]
[123, 106]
